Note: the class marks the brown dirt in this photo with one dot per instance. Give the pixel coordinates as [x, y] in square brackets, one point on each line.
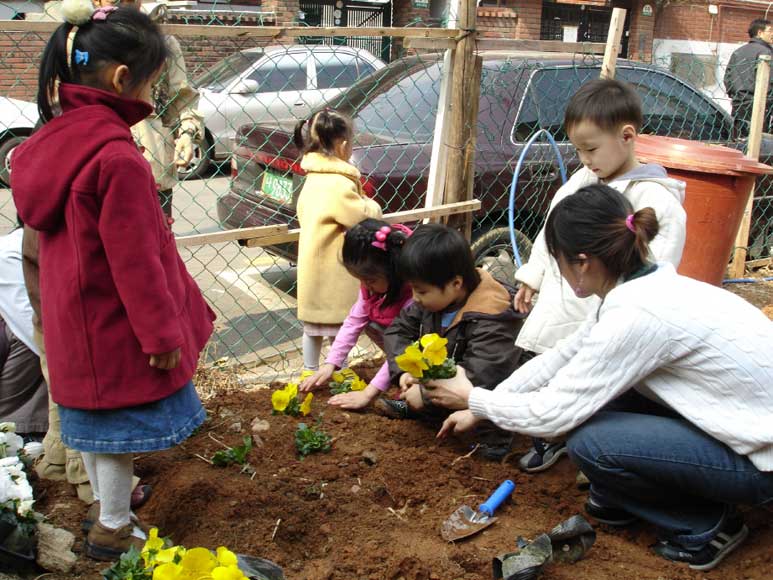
[342, 518]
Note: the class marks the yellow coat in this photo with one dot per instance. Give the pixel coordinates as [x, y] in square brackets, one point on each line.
[330, 202]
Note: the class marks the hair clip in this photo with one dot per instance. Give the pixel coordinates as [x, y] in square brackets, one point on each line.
[81, 57]
[383, 233]
[100, 14]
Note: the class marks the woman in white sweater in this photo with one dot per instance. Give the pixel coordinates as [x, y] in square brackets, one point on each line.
[666, 392]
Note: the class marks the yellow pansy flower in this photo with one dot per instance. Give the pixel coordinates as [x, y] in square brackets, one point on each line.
[280, 400]
[152, 546]
[412, 361]
[169, 554]
[305, 374]
[338, 377]
[292, 390]
[168, 571]
[227, 573]
[306, 405]
[198, 561]
[358, 384]
[226, 557]
[434, 348]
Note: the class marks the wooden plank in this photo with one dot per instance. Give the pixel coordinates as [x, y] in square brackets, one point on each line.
[616, 25]
[518, 44]
[738, 265]
[230, 235]
[430, 43]
[761, 263]
[411, 215]
[209, 30]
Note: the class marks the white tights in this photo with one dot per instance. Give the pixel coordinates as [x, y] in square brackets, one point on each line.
[111, 481]
[312, 348]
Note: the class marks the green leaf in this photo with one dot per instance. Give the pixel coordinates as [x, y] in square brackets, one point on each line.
[310, 440]
[236, 454]
[128, 567]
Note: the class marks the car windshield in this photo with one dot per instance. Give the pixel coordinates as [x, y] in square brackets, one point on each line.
[397, 103]
[225, 72]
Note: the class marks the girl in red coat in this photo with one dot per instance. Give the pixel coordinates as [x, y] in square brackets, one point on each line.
[123, 321]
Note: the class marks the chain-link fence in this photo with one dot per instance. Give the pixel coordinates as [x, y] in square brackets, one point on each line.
[245, 172]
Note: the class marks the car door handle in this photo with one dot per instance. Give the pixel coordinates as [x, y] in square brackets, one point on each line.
[299, 103]
[542, 172]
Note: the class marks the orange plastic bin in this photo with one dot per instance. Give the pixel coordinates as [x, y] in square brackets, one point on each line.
[718, 180]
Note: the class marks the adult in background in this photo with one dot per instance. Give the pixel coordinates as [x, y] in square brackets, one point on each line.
[741, 75]
[167, 137]
[666, 391]
[23, 392]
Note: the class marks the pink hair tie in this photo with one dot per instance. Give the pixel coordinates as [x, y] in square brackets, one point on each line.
[629, 223]
[383, 233]
[100, 14]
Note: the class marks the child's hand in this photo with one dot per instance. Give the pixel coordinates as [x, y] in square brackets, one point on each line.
[522, 302]
[407, 381]
[354, 400]
[318, 379]
[166, 361]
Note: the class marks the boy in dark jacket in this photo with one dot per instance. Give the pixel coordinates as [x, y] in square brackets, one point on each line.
[463, 304]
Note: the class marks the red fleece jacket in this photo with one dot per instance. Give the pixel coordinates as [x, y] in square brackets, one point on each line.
[113, 288]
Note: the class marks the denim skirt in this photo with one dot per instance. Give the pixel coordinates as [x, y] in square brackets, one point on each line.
[151, 427]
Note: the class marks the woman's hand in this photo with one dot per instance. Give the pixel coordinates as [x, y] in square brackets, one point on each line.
[183, 150]
[523, 299]
[166, 361]
[354, 400]
[318, 379]
[450, 393]
[458, 422]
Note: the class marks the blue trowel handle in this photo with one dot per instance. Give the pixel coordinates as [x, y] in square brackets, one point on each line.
[501, 493]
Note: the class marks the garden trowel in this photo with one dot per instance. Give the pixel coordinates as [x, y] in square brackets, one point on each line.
[465, 521]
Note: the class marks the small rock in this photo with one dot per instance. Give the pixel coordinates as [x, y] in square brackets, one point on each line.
[256, 440]
[370, 457]
[235, 427]
[260, 425]
[356, 489]
[234, 503]
[326, 529]
[55, 549]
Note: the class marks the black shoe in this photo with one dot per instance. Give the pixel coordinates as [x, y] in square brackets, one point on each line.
[707, 556]
[608, 515]
[542, 456]
[392, 408]
[494, 443]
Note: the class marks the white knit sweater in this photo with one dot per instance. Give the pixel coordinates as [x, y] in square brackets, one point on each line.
[698, 349]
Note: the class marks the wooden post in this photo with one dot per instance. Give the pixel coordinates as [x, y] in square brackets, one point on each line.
[752, 152]
[437, 164]
[472, 96]
[463, 123]
[616, 25]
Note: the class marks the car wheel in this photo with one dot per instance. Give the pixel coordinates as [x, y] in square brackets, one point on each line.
[6, 148]
[492, 252]
[200, 163]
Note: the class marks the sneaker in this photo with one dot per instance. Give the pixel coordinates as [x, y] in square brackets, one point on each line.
[609, 515]
[93, 515]
[542, 456]
[494, 443]
[709, 555]
[107, 545]
[392, 408]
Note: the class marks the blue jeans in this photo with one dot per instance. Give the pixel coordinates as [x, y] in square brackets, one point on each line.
[662, 468]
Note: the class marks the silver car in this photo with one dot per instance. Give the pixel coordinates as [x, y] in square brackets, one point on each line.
[17, 121]
[268, 84]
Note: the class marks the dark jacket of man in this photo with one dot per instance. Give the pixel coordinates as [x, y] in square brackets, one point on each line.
[741, 72]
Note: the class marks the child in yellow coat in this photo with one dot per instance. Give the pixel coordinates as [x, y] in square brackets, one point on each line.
[331, 201]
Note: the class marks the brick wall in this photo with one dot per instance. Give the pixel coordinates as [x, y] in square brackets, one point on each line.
[693, 22]
[641, 32]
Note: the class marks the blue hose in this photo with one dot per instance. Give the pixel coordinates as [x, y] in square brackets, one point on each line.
[514, 183]
[746, 280]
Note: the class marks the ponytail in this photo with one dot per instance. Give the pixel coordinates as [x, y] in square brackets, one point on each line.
[598, 221]
[373, 248]
[53, 70]
[323, 131]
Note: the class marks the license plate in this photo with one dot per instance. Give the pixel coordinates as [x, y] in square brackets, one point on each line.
[278, 186]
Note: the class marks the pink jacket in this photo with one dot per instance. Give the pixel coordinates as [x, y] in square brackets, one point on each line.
[367, 309]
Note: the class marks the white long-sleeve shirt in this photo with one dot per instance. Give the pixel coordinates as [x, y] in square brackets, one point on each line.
[696, 348]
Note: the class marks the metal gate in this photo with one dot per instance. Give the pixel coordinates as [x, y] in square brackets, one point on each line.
[592, 23]
[354, 14]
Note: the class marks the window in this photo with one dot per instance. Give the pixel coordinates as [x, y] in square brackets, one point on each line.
[284, 73]
[669, 107]
[225, 72]
[335, 70]
[674, 109]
